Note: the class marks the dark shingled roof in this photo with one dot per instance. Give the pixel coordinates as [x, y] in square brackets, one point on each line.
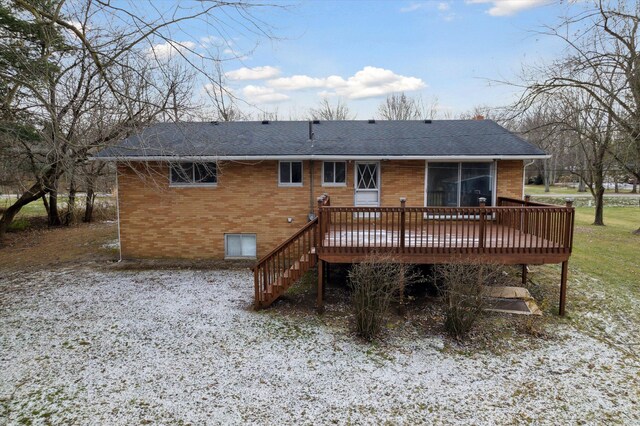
[331, 138]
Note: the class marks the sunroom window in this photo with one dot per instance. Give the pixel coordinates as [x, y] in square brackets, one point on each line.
[189, 173]
[459, 184]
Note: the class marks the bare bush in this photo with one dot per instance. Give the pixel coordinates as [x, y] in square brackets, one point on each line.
[375, 283]
[464, 287]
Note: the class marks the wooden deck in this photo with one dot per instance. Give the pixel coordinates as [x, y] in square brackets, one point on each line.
[514, 232]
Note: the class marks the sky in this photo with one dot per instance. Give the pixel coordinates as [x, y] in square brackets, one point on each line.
[361, 51]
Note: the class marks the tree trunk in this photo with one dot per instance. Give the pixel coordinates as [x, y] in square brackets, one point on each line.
[581, 185]
[615, 186]
[599, 214]
[88, 210]
[71, 204]
[634, 188]
[54, 215]
[35, 192]
[46, 204]
[546, 175]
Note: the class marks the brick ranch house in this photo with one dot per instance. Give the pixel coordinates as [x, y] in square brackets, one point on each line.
[293, 194]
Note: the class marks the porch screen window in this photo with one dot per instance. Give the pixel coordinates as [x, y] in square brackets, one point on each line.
[334, 173]
[459, 184]
[240, 245]
[290, 173]
[194, 174]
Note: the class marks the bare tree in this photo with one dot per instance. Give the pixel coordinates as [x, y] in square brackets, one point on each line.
[84, 85]
[398, 106]
[329, 112]
[602, 60]
[224, 103]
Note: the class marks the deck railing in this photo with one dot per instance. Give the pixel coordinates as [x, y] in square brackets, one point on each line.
[514, 226]
[285, 264]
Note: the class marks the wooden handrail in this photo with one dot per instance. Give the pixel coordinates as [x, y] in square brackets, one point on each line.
[525, 202]
[286, 242]
[285, 264]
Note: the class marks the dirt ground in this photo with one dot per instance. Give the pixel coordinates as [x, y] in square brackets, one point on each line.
[43, 247]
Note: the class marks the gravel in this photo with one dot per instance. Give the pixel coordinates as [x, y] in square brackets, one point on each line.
[116, 347]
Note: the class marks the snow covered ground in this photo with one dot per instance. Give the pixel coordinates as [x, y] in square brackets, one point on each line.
[89, 346]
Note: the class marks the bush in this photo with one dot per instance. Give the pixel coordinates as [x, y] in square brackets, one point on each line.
[375, 284]
[463, 286]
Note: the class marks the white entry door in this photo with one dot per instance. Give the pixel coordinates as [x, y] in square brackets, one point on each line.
[367, 184]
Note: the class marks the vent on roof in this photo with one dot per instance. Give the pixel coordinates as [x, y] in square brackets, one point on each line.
[372, 121]
[265, 121]
[215, 123]
[427, 121]
[316, 121]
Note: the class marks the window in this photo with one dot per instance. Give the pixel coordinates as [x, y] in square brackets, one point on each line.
[240, 245]
[459, 184]
[290, 173]
[205, 174]
[334, 173]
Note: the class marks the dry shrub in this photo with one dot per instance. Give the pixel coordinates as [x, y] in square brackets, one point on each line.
[463, 287]
[375, 284]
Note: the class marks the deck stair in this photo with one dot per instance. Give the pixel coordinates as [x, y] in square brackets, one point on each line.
[285, 265]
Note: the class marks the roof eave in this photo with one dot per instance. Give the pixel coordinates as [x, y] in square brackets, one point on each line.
[321, 157]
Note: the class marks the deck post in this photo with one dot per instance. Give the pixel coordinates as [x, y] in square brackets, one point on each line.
[256, 303]
[527, 199]
[403, 204]
[483, 204]
[568, 225]
[525, 270]
[319, 301]
[563, 288]
[320, 228]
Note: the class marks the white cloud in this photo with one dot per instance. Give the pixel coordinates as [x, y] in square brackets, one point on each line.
[168, 50]
[263, 95]
[297, 82]
[369, 82]
[256, 73]
[443, 7]
[509, 7]
[413, 7]
[211, 40]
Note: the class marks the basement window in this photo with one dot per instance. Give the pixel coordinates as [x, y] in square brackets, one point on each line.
[334, 173]
[290, 173]
[239, 246]
[193, 174]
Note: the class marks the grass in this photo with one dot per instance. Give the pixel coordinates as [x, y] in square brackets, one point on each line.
[36, 208]
[609, 252]
[565, 190]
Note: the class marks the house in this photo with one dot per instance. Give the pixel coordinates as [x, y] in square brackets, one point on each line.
[293, 193]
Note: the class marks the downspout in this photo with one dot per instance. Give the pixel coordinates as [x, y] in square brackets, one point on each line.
[524, 175]
[118, 214]
[312, 203]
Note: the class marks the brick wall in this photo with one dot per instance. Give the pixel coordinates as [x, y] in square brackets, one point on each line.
[159, 221]
[509, 178]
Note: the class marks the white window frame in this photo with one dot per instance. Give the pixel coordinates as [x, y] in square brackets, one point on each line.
[494, 180]
[193, 184]
[241, 235]
[335, 184]
[291, 184]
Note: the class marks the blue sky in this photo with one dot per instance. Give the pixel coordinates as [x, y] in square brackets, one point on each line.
[359, 51]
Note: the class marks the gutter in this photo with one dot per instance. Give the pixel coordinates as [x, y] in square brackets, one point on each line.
[319, 157]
